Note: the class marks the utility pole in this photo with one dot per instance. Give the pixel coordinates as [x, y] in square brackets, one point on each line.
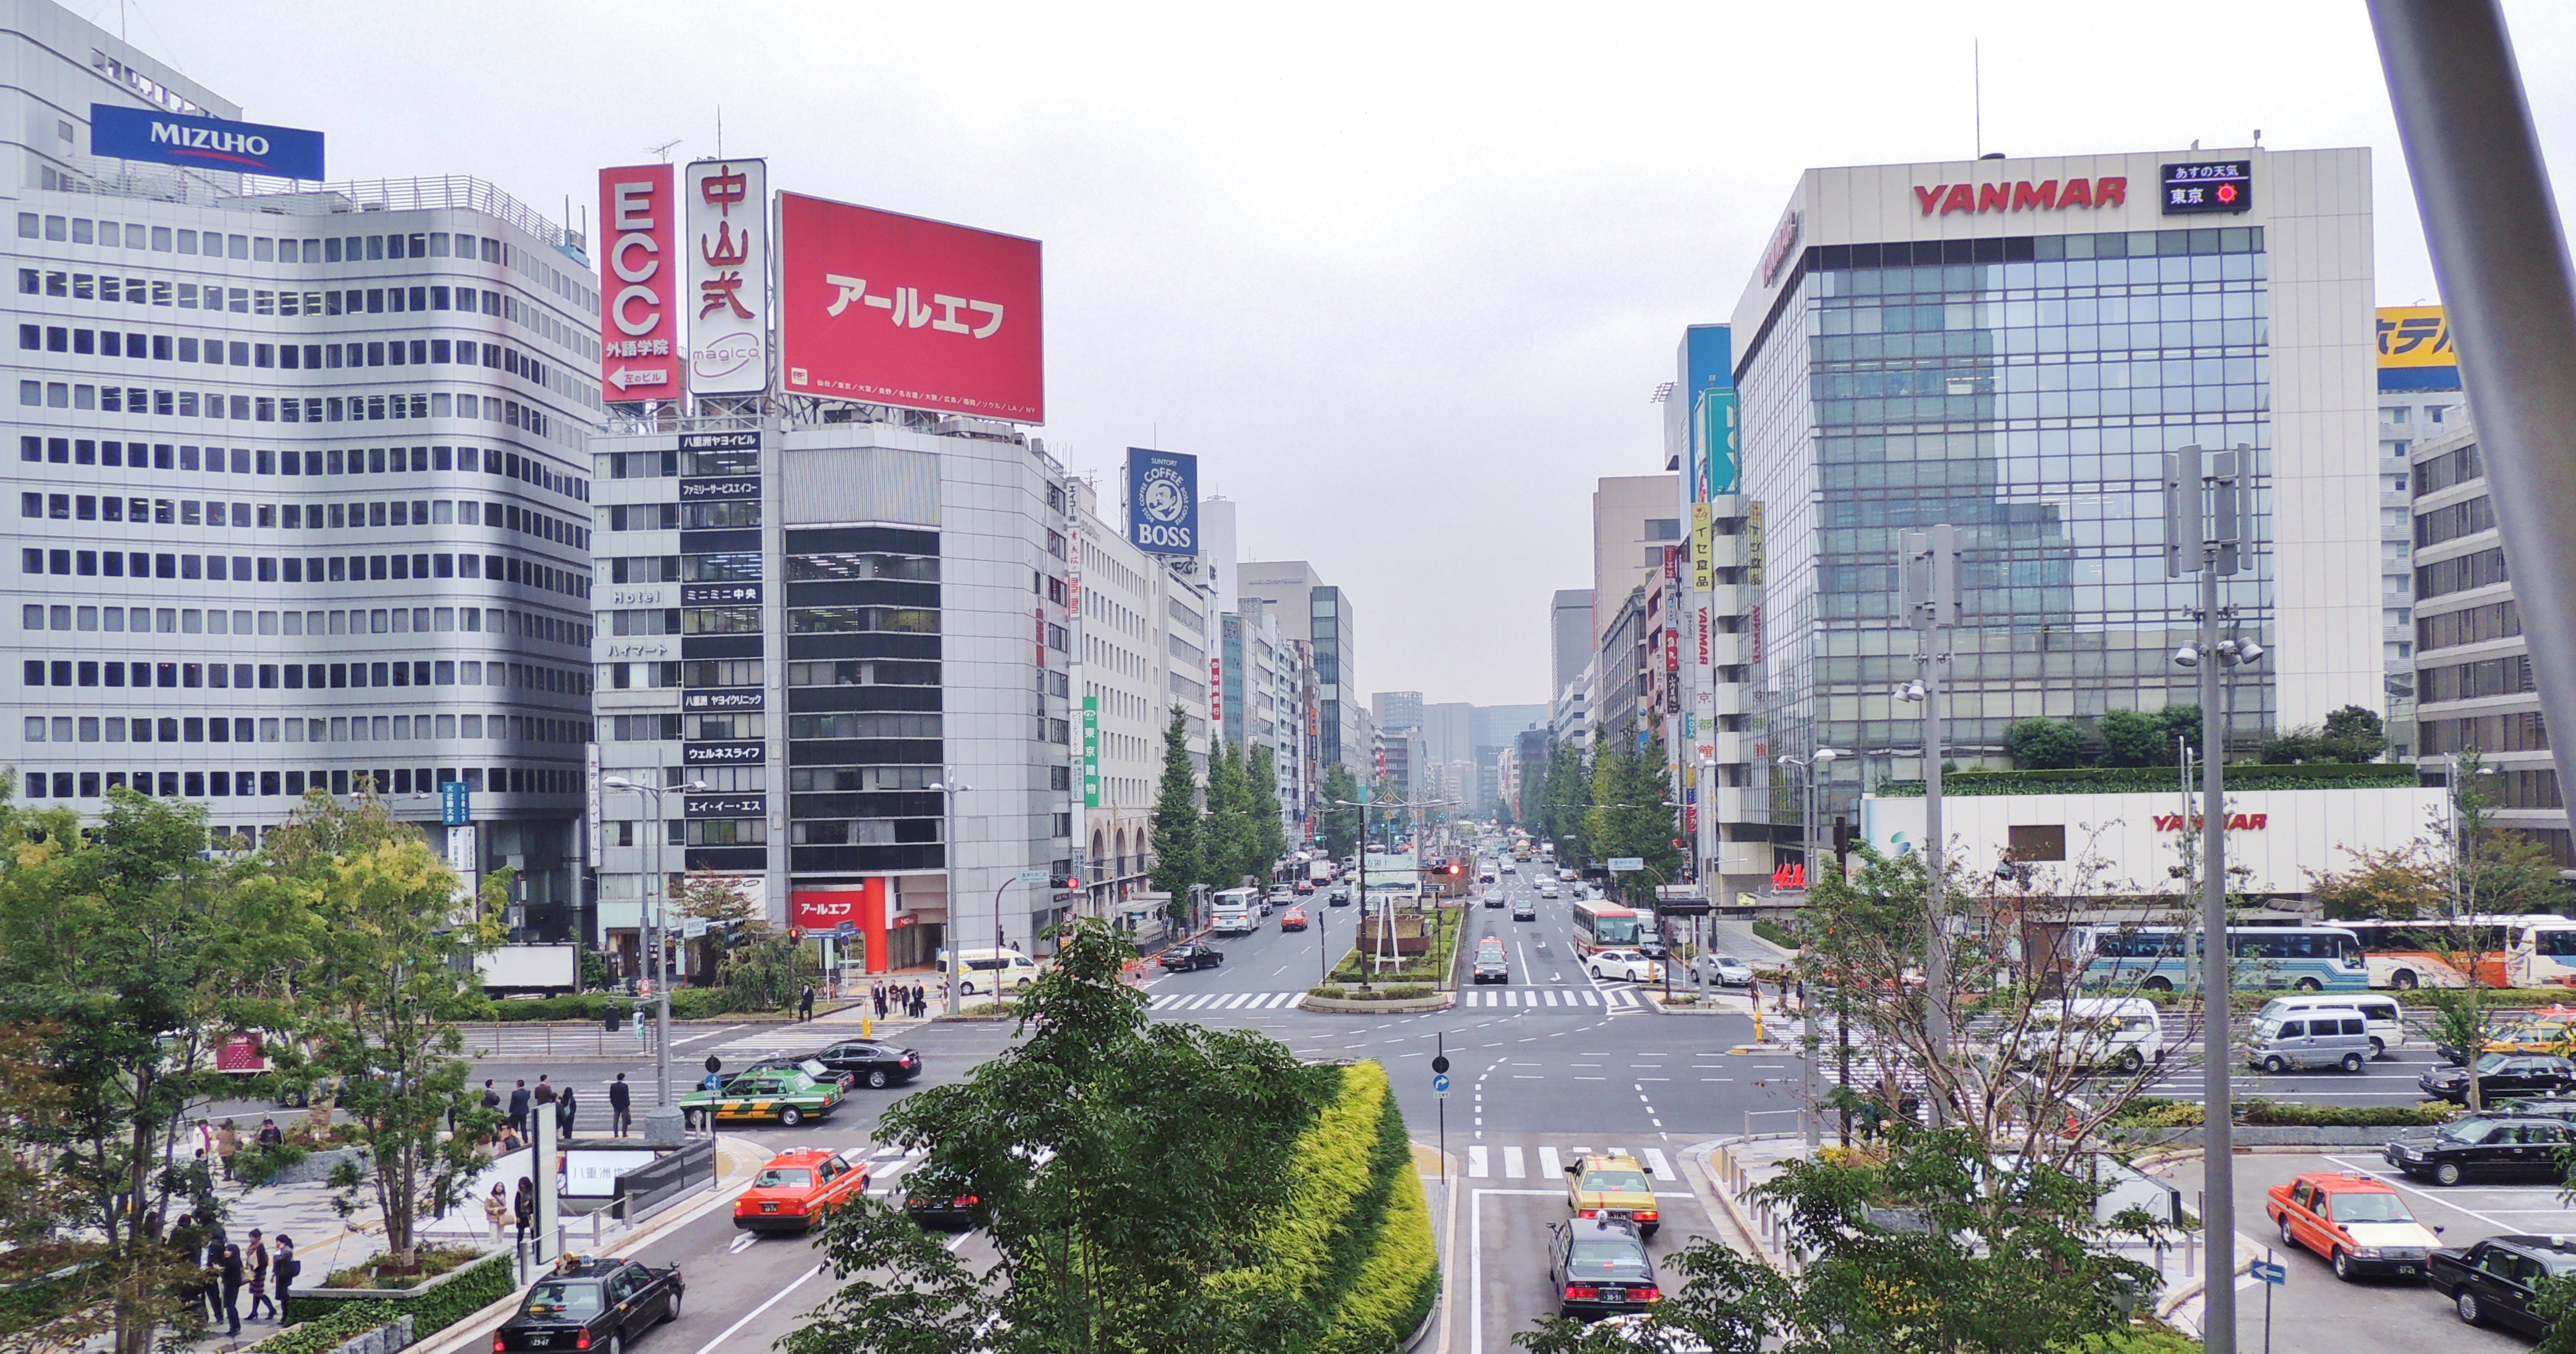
[2207, 516]
[1930, 566]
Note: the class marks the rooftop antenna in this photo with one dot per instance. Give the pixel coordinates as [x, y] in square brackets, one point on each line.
[664, 150]
[719, 131]
[1977, 89]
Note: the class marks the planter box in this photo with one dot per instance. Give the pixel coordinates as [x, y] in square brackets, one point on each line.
[1439, 1001]
[316, 1167]
[430, 1299]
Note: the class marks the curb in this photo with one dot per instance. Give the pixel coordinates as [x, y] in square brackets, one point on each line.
[1441, 1002]
[1693, 1009]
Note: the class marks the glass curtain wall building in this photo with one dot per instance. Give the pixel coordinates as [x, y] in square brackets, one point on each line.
[2011, 347]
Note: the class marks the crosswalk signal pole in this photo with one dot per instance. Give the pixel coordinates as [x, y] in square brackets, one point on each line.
[1931, 582]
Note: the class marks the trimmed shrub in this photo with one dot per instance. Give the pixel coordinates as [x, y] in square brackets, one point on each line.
[1772, 931]
[2148, 1111]
[1398, 1281]
[2160, 780]
[345, 1322]
[462, 1294]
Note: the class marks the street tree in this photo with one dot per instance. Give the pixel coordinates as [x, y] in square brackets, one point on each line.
[1628, 815]
[1341, 817]
[1179, 853]
[1262, 772]
[1233, 838]
[2394, 883]
[1568, 799]
[2492, 871]
[2131, 738]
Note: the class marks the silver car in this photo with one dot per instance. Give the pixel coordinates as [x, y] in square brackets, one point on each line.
[1726, 970]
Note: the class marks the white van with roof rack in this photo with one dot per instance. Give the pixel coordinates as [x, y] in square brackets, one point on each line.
[2380, 1015]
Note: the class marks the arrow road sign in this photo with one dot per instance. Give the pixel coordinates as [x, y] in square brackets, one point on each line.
[1440, 1087]
[2269, 1272]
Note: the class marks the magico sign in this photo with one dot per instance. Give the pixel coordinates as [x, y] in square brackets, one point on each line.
[1941, 199]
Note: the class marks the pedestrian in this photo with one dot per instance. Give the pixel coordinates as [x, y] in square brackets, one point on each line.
[805, 1003]
[227, 1142]
[255, 1255]
[510, 1139]
[496, 1210]
[269, 1135]
[523, 1207]
[920, 1002]
[565, 1109]
[621, 1107]
[231, 1279]
[877, 995]
[285, 1266]
[545, 1092]
[519, 1107]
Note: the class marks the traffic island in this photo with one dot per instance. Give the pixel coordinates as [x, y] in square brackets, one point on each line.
[1692, 1003]
[1335, 997]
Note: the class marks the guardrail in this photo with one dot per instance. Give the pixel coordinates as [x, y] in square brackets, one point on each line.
[648, 1187]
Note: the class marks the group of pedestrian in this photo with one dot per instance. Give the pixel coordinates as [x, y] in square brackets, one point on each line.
[545, 1098]
[500, 1209]
[225, 1268]
[897, 998]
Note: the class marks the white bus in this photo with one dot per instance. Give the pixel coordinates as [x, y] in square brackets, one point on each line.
[2541, 952]
[1235, 912]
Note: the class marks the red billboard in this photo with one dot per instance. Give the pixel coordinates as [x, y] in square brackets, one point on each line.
[639, 327]
[892, 309]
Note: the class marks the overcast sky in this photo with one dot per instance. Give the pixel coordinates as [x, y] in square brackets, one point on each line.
[1404, 278]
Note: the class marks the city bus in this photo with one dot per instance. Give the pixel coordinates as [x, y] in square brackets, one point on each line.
[1600, 926]
[2430, 952]
[2163, 958]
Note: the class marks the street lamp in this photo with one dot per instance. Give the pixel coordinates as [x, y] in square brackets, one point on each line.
[1810, 767]
[948, 790]
[661, 1123]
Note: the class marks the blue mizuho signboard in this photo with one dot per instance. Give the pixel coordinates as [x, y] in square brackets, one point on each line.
[205, 143]
[1163, 501]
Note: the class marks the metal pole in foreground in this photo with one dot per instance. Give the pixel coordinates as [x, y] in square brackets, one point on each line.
[2500, 256]
[2217, 973]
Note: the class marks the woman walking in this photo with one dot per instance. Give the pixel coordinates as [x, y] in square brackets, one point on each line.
[496, 1210]
[231, 1279]
[285, 1266]
[256, 1276]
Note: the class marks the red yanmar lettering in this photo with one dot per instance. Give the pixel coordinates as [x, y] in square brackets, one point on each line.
[2026, 196]
[1992, 197]
[2076, 193]
[2111, 193]
[1929, 197]
[1962, 198]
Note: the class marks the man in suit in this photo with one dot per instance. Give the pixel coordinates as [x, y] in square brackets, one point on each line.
[519, 1108]
[621, 1101]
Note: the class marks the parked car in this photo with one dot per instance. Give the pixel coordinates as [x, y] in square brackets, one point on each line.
[2358, 1224]
[2514, 1146]
[2495, 1280]
[797, 1189]
[1185, 957]
[877, 1065]
[1628, 965]
[1490, 965]
[1294, 919]
[2501, 1074]
[1726, 970]
[591, 1305]
[1600, 1268]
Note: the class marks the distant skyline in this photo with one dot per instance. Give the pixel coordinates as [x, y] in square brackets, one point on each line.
[1404, 284]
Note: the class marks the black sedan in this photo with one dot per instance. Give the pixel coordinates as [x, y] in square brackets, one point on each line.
[2494, 1281]
[2501, 1074]
[1600, 1268]
[595, 1305]
[2515, 1147]
[1183, 958]
[1338, 898]
[872, 1064]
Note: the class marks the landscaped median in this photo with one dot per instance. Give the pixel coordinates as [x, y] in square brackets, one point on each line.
[1355, 1245]
[326, 1318]
[1413, 985]
[2155, 1121]
[1407, 997]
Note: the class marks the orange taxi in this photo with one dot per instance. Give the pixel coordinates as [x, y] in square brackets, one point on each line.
[2360, 1225]
[797, 1188]
[1294, 919]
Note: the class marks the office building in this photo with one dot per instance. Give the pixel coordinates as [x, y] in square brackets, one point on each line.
[1634, 521]
[2419, 398]
[1318, 614]
[1397, 709]
[2011, 346]
[820, 621]
[1569, 637]
[303, 482]
[1449, 731]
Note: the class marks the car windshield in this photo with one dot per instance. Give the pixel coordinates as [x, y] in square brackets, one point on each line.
[1729, 961]
[2369, 1208]
[2491, 1062]
[1613, 1258]
[1623, 1182]
[559, 1298]
[779, 1178]
[2466, 1130]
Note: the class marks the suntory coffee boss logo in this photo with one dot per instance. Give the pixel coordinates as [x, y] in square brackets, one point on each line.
[1163, 501]
[2046, 195]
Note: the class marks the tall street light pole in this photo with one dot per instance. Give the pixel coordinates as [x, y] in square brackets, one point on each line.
[1931, 578]
[948, 790]
[1808, 767]
[662, 1122]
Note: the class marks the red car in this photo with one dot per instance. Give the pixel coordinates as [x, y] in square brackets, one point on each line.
[1305, 888]
[1294, 919]
[797, 1188]
[2358, 1224]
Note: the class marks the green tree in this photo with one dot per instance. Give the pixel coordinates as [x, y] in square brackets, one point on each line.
[2177, 722]
[386, 983]
[1628, 815]
[1921, 1253]
[2131, 738]
[1341, 816]
[2291, 746]
[1130, 1173]
[2353, 734]
[1232, 844]
[1262, 772]
[1567, 802]
[2044, 744]
[2492, 871]
[1179, 852]
[2399, 883]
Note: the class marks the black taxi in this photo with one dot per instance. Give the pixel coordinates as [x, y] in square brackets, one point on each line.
[591, 1305]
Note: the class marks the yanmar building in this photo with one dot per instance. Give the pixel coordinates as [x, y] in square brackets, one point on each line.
[2012, 346]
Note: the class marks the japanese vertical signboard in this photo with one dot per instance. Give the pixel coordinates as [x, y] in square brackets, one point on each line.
[899, 310]
[1091, 752]
[639, 322]
[727, 205]
[1703, 573]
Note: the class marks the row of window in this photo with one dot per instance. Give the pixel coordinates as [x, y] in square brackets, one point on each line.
[298, 569]
[2508, 676]
[872, 725]
[548, 780]
[82, 672]
[269, 409]
[189, 512]
[331, 461]
[720, 515]
[668, 463]
[2470, 625]
[732, 566]
[2449, 468]
[2479, 569]
[2452, 521]
[863, 831]
[861, 672]
[136, 345]
[353, 621]
[2519, 731]
[339, 729]
[880, 619]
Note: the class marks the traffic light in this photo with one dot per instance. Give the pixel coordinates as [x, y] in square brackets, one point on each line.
[1065, 883]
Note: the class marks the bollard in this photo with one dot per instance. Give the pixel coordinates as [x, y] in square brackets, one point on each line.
[867, 1027]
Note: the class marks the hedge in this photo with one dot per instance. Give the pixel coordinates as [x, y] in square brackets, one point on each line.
[2160, 779]
[1398, 1281]
[1772, 931]
[462, 1294]
[345, 1322]
[687, 1003]
[2148, 1111]
[1406, 992]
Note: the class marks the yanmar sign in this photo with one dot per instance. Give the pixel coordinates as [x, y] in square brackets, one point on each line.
[1941, 199]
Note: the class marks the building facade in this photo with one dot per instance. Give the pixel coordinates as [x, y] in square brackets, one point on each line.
[2419, 398]
[1318, 614]
[2011, 346]
[1569, 637]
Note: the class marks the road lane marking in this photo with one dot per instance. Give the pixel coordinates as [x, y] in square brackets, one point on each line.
[1476, 1166]
[1514, 1167]
[754, 1313]
[741, 1243]
[1656, 1163]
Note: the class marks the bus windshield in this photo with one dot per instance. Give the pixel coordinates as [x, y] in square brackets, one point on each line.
[2556, 942]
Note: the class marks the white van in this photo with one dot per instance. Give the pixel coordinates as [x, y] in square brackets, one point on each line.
[2320, 1036]
[989, 971]
[2125, 1034]
[2380, 1015]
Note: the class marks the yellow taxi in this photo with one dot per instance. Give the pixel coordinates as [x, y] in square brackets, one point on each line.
[1612, 1185]
[2548, 1030]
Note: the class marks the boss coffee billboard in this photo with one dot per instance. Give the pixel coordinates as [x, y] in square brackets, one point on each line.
[1163, 501]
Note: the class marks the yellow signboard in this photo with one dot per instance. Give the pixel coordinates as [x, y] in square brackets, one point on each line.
[2415, 336]
[1703, 572]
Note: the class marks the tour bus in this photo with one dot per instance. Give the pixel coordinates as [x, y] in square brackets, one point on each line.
[2432, 952]
[1599, 926]
[1235, 912]
[2162, 958]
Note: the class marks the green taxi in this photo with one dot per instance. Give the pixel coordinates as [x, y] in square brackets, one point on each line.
[784, 1094]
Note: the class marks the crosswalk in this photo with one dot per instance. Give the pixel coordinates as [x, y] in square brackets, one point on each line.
[1514, 1161]
[1478, 997]
[1222, 1001]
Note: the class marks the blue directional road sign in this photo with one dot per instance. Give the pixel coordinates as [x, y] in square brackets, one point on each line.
[2270, 1272]
[1440, 1083]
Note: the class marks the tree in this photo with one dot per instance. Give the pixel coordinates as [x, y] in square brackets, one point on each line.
[1944, 1246]
[1567, 802]
[1341, 816]
[1268, 823]
[2492, 872]
[2353, 734]
[386, 980]
[1179, 859]
[2399, 883]
[2131, 738]
[2292, 746]
[1628, 816]
[2044, 744]
[2178, 722]
[1129, 1174]
[1231, 845]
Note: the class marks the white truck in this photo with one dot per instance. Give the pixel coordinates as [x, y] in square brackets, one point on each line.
[1235, 912]
[529, 970]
